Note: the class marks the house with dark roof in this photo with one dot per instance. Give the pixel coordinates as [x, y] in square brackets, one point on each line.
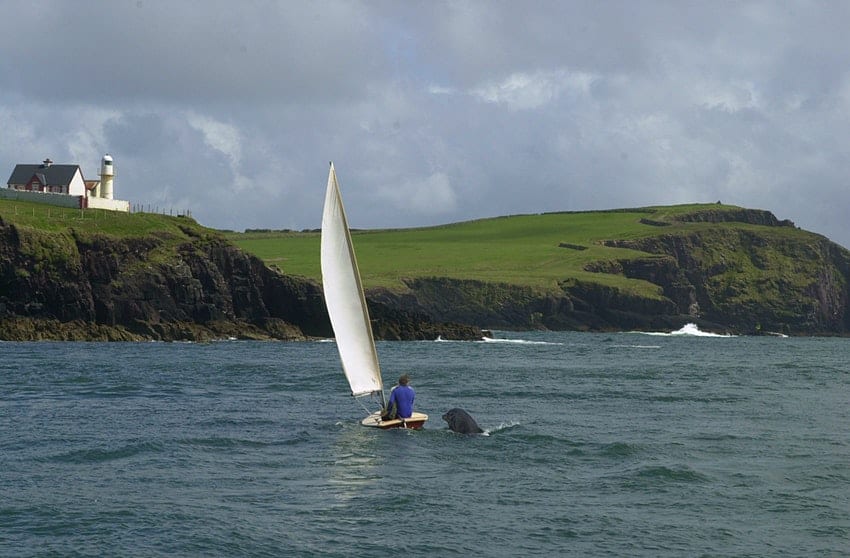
[38, 183]
[48, 178]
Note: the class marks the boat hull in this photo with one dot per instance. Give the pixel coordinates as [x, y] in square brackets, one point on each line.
[415, 422]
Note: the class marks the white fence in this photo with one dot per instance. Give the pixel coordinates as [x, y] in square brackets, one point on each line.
[103, 203]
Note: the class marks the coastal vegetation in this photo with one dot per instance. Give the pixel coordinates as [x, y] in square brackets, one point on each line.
[98, 275]
[538, 251]
[119, 224]
[71, 274]
[741, 268]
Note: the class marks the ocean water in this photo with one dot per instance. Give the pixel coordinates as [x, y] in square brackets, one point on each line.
[598, 445]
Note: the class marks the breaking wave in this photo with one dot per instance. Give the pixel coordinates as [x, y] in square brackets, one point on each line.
[503, 426]
[517, 341]
[689, 330]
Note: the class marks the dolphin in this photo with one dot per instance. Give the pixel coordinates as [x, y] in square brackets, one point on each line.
[461, 422]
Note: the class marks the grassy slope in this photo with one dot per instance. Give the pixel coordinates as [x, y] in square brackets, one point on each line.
[522, 249]
[47, 224]
[51, 230]
[94, 221]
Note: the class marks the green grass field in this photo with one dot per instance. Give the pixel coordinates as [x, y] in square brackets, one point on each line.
[538, 251]
[50, 218]
[523, 249]
[51, 230]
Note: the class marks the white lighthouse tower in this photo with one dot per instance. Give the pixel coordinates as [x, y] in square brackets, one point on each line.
[107, 173]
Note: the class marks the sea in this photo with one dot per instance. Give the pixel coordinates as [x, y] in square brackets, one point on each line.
[621, 444]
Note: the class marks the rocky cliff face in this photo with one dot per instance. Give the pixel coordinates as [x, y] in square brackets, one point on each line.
[754, 282]
[582, 306]
[754, 278]
[731, 279]
[165, 287]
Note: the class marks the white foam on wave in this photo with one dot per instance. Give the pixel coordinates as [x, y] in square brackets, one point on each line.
[776, 334]
[687, 330]
[516, 341]
[503, 426]
[440, 339]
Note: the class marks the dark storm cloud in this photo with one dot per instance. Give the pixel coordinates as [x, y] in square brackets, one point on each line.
[187, 51]
[436, 111]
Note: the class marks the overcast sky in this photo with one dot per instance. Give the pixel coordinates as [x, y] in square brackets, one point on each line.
[436, 112]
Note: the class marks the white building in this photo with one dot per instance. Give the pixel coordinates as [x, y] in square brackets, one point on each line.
[48, 178]
[42, 182]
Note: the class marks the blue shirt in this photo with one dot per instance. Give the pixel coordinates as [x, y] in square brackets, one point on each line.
[403, 396]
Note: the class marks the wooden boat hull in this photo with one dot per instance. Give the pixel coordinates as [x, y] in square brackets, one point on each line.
[415, 422]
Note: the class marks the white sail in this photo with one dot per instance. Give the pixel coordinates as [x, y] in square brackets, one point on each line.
[345, 299]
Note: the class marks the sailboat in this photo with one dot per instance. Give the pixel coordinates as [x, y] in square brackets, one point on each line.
[349, 315]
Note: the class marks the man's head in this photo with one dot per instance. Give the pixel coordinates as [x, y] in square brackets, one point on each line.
[403, 380]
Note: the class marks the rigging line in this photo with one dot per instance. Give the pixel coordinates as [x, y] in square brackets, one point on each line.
[368, 412]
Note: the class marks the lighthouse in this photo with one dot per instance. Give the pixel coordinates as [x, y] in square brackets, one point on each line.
[107, 173]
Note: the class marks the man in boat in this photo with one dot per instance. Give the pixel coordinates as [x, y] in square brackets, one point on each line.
[400, 404]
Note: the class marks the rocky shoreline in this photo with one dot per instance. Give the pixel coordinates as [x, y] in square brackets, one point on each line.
[195, 285]
[166, 288]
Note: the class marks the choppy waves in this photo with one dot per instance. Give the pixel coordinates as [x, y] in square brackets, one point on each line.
[599, 444]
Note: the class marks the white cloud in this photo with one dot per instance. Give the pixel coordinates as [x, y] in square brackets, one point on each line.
[526, 91]
[224, 138]
[441, 90]
[227, 140]
[88, 140]
[727, 96]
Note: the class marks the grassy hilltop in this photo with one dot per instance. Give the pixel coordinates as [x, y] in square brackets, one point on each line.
[724, 264]
[533, 250]
[538, 251]
[50, 218]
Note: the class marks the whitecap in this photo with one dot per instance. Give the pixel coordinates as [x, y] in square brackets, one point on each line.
[503, 426]
[517, 341]
[690, 329]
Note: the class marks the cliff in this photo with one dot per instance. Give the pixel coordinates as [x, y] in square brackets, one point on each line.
[747, 273]
[187, 283]
[138, 277]
[751, 281]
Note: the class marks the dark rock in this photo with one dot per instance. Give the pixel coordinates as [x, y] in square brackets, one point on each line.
[163, 286]
[197, 286]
